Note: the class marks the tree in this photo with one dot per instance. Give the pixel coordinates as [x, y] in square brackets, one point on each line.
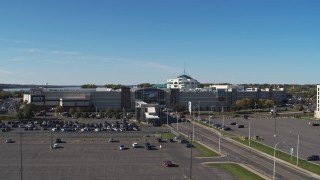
[59, 109]
[113, 86]
[72, 111]
[20, 115]
[144, 85]
[268, 103]
[89, 86]
[28, 111]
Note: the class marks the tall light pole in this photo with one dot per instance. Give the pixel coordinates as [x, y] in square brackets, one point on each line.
[199, 111]
[167, 117]
[191, 158]
[298, 150]
[219, 141]
[249, 134]
[177, 123]
[274, 160]
[222, 116]
[275, 127]
[21, 170]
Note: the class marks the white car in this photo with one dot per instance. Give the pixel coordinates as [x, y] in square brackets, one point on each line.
[135, 145]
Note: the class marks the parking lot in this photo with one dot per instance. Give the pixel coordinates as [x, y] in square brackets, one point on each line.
[89, 155]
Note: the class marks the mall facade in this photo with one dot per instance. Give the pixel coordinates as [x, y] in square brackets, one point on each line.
[147, 101]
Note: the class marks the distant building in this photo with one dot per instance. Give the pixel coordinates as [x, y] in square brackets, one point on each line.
[317, 111]
[182, 82]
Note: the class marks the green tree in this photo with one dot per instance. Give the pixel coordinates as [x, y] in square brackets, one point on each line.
[28, 111]
[20, 115]
[268, 103]
[89, 86]
[144, 85]
[72, 111]
[113, 86]
[59, 109]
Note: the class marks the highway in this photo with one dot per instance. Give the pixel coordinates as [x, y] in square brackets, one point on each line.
[237, 153]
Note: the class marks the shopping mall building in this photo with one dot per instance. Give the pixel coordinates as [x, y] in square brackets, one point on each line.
[147, 102]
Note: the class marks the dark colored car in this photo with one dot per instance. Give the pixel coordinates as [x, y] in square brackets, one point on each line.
[233, 123]
[189, 145]
[315, 124]
[58, 140]
[313, 158]
[240, 126]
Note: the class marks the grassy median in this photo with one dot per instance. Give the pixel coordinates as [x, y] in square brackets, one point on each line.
[236, 170]
[281, 155]
[204, 151]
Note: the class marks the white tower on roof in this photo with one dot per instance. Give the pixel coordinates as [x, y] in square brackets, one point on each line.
[183, 81]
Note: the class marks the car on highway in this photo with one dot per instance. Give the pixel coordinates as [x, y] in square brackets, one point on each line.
[313, 158]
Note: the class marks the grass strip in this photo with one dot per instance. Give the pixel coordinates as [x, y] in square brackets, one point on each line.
[204, 151]
[167, 135]
[236, 170]
[281, 155]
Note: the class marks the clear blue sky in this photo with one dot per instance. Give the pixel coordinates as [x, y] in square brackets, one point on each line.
[75, 42]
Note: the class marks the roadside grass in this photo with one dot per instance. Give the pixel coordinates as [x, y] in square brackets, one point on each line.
[204, 151]
[281, 155]
[167, 135]
[236, 170]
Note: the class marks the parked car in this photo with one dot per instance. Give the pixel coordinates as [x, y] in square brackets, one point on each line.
[189, 145]
[9, 141]
[240, 126]
[315, 124]
[168, 164]
[56, 145]
[313, 158]
[135, 145]
[58, 140]
[233, 123]
[121, 147]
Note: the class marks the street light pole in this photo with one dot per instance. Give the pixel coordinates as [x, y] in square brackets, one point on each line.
[298, 150]
[21, 170]
[219, 141]
[191, 157]
[249, 134]
[222, 116]
[167, 117]
[177, 123]
[275, 122]
[274, 160]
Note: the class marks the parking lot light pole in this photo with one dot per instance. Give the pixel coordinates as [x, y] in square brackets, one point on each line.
[249, 134]
[298, 150]
[167, 117]
[191, 157]
[177, 123]
[219, 141]
[21, 170]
